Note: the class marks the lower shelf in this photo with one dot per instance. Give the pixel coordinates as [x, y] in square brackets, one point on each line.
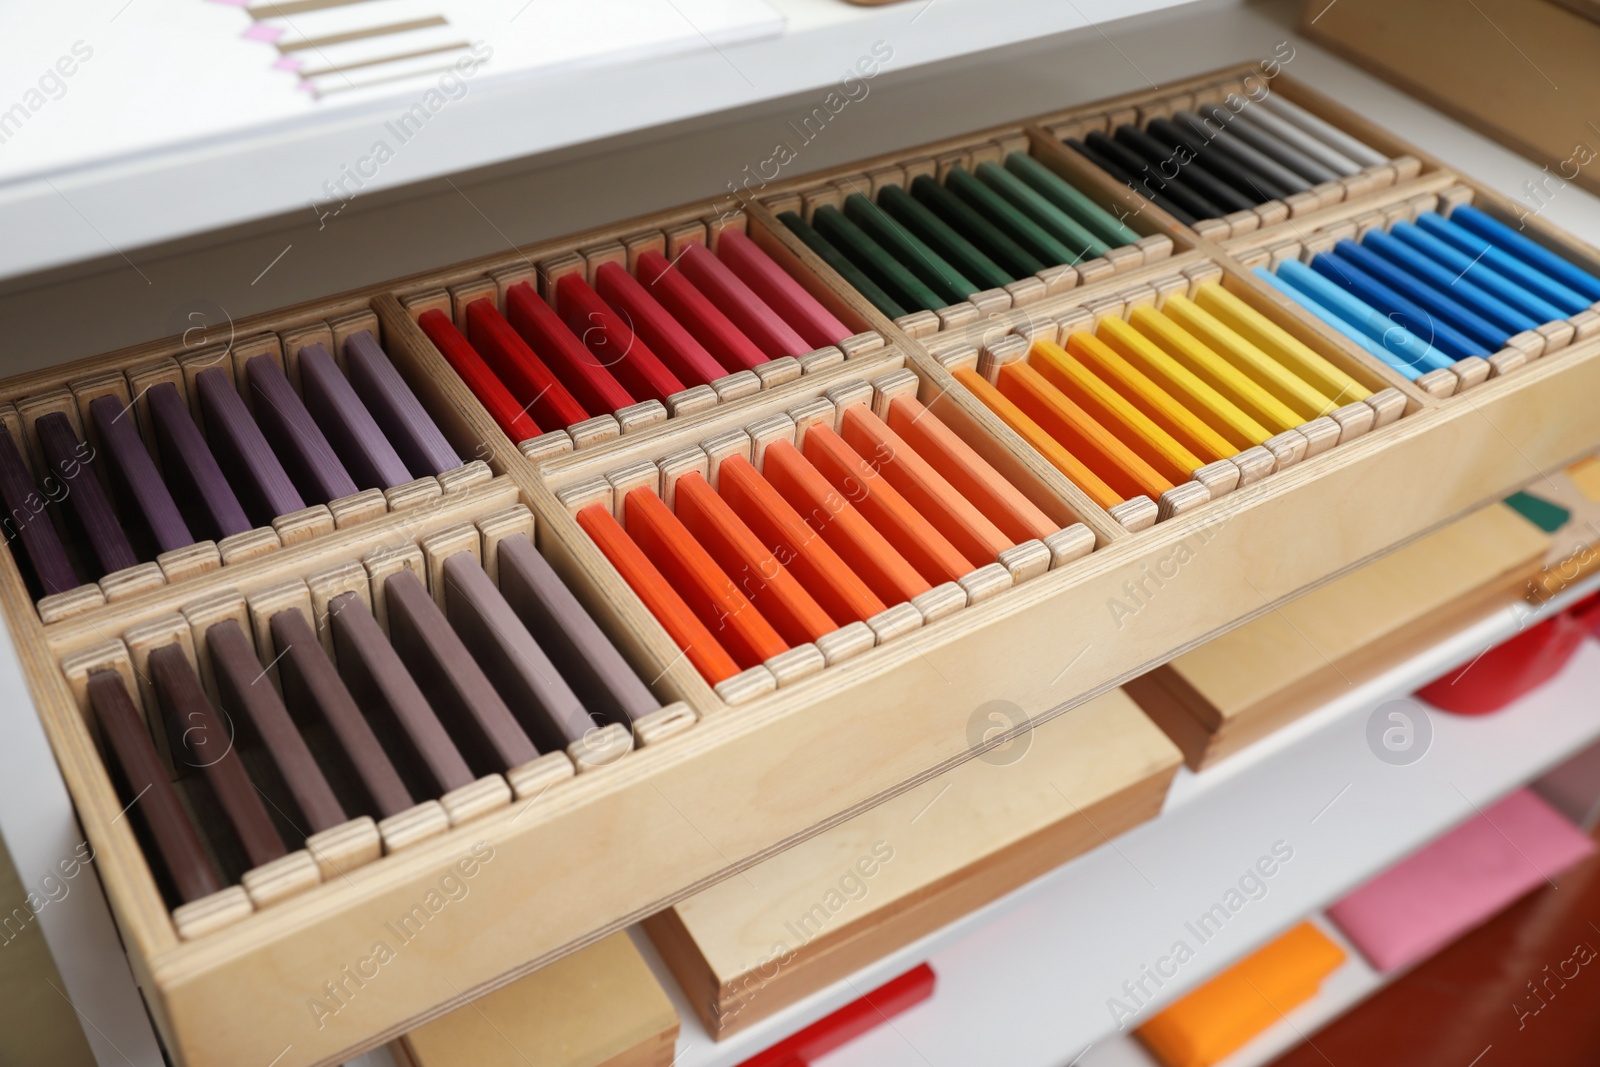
[1032, 973]
[1348, 986]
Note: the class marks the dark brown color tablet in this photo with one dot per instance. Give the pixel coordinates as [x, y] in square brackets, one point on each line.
[396, 408]
[590, 663]
[386, 692]
[310, 681]
[349, 426]
[144, 778]
[259, 480]
[202, 740]
[463, 697]
[26, 517]
[134, 475]
[294, 435]
[69, 460]
[243, 685]
[209, 502]
[521, 672]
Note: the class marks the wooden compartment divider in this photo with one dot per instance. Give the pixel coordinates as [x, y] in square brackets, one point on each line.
[1159, 238]
[1441, 192]
[1242, 84]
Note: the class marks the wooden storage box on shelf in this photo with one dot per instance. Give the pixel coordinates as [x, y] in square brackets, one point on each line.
[271, 944]
[1157, 236]
[599, 1007]
[960, 357]
[1241, 84]
[798, 922]
[125, 378]
[543, 266]
[1236, 689]
[1441, 192]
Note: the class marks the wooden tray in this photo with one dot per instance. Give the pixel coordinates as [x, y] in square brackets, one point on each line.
[758, 774]
[599, 1007]
[545, 264]
[1233, 691]
[128, 374]
[1440, 191]
[1235, 87]
[1161, 236]
[751, 945]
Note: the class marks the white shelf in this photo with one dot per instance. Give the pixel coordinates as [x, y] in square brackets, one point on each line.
[136, 199]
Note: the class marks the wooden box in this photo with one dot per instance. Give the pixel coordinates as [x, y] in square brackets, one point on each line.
[599, 1007]
[1440, 191]
[754, 944]
[1236, 689]
[128, 375]
[762, 770]
[1235, 88]
[544, 265]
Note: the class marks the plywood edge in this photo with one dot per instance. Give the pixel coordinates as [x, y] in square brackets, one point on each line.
[837, 954]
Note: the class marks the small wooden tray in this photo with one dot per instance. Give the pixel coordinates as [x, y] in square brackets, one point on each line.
[754, 944]
[599, 1007]
[1236, 689]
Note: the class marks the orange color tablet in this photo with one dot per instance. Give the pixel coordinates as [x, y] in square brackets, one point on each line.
[683, 561]
[754, 568]
[686, 631]
[829, 513]
[953, 515]
[1047, 446]
[972, 476]
[861, 483]
[1114, 412]
[840, 591]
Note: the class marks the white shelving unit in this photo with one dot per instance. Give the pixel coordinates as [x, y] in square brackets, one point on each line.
[1025, 980]
[136, 199]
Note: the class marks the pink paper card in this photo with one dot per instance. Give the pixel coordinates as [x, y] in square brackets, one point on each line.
[1427, 900]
